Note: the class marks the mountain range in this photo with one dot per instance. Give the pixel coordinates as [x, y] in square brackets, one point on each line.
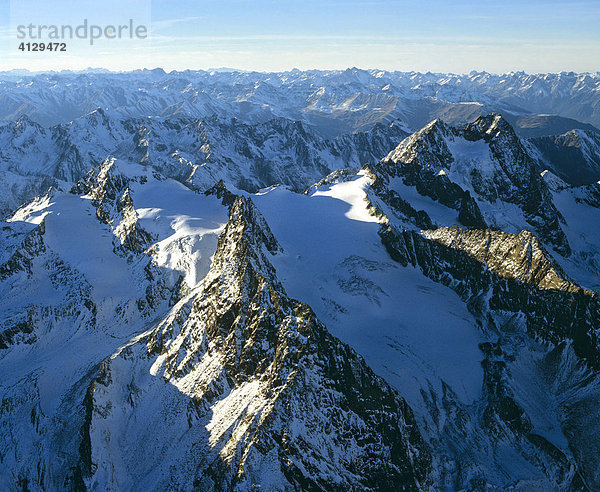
[333, 102]
[355, 280]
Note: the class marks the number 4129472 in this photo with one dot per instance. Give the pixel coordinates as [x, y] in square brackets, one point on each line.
[43, 46]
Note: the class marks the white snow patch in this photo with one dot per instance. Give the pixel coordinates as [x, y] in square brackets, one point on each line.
[352, 193]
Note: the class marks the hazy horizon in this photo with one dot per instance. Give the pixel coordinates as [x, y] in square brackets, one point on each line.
[324, 70]
[268, 36]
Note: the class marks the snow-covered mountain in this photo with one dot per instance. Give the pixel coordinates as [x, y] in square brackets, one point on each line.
[574, 155]
[154, 324]
[482, 329]
[193, 302]
[332, 102]
[199, 153]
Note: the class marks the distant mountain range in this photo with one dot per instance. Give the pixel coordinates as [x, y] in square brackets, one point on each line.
[333, 102]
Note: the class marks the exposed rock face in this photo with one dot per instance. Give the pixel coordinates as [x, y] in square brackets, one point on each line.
[523, 283]
[590, 195]
[485, 158]
[520, 302]
[519, 257]
[257, 391]
[513, 289]
[22, 259]
[111, 195]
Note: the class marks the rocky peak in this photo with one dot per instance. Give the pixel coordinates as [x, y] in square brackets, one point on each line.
[96, 119]
[25, 122]
[21, 135]
[572, 138]
[221, 192]
[109, 189]
[103, 181]
[489, 127]
[247, 226]
[105, 185]
[273, 384]
[426, 147]
[485, 161]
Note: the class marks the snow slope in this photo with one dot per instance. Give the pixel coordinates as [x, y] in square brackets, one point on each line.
[333, 259]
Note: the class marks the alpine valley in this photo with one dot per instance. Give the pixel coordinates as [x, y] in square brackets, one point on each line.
[307, 280]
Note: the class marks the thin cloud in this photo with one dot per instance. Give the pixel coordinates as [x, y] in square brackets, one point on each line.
[168, 23]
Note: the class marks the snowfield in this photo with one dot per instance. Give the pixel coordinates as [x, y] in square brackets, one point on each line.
[334, 261]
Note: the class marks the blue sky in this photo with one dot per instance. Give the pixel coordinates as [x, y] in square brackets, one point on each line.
[497, 36]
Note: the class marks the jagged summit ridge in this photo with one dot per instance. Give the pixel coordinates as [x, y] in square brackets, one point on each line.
[197, 152]
[487, 160]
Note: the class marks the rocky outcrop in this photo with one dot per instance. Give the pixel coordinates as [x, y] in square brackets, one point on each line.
[110, 192]
[520, 280]
[22, 259]
[588, 194]
[222, 193]
[511, 256]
